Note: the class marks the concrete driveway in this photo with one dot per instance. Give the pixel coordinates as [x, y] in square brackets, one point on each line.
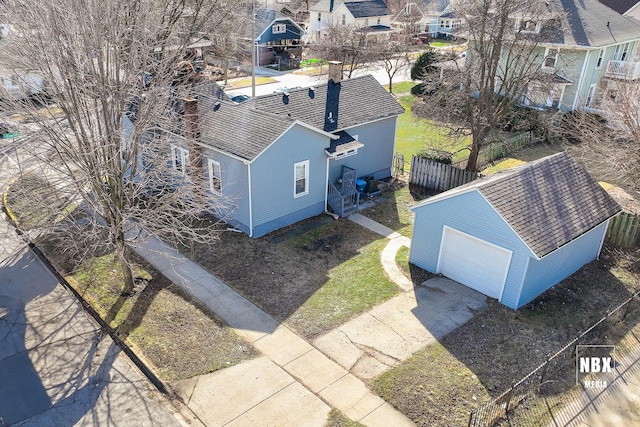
[383, 337]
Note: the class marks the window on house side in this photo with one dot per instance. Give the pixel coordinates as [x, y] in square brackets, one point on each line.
[279, 28]
[378, 22]
[301, 178]
[180, 159]
[319, 17]
[344, 19]
[215, 176]
[600, 57]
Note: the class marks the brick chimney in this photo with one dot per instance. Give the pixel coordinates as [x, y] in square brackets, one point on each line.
[191, 117]
[335, 71]
[193, 137]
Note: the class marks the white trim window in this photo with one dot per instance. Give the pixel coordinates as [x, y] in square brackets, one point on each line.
[180, 159]
[279, 28]
[301, 178]
[550, 58]
[347, 153]
[528, 26]
[622, 52]
[591, 96]
[600, 59]
[215, 176]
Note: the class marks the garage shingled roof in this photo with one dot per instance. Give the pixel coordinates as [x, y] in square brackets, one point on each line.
[548, 202]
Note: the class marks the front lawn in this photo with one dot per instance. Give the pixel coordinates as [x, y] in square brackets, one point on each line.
[179, 336]
[313, 275]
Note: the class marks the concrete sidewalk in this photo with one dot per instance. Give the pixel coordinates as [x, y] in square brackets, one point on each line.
[293, 382]
[57, 367]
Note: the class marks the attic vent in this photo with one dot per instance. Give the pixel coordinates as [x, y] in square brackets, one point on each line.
[216, 106]
[312, 92]
[285, 98]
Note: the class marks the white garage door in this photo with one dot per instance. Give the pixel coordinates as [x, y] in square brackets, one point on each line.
[473, 262]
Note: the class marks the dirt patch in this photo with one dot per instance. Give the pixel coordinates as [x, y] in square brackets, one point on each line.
[313, 280]
[500, 345]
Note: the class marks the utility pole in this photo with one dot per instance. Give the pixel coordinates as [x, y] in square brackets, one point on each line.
[253, 49]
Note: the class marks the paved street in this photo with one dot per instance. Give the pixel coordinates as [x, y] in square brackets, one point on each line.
[290, 80]
[56, 366]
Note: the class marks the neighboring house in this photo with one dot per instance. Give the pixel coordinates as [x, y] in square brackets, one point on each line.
[20, 84]
[280, 42]
[589, 48]
[412, 19]
[623, 7]
[441, 21]
[372, 15]
[514, 234]
[633, 12]
[285, 157]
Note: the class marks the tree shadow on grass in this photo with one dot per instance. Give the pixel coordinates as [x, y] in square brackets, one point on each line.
[500, 345]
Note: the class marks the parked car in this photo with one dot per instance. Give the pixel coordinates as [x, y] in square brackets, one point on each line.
[285, 89]
[6, 132]
[240, 98]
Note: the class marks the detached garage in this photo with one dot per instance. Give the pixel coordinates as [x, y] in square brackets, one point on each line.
[515, 234]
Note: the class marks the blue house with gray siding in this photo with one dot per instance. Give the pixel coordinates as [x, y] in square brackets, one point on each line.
[515, 234]
[284, 157]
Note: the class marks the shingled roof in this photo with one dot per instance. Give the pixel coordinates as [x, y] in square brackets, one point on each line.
[356, 101]
[368, 8]
[547, 202]
[588, 23]
[246, 130]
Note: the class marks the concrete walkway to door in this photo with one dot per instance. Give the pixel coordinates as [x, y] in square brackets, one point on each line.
[297, 380]
[293, 382]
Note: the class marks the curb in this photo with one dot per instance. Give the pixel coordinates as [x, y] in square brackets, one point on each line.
[140, 364]
[8, 211]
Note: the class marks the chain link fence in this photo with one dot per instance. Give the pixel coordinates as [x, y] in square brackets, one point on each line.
[549, 394]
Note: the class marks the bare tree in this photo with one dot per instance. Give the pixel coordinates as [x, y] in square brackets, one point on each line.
[229, 33]
[607, 140]
[394, 54]
[347, 44]
[504, 62]
[114, 133]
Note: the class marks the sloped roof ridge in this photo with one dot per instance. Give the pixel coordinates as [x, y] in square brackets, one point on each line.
[549, 202]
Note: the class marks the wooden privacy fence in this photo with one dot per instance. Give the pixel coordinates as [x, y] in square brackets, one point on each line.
[624, 231]
[437, 176]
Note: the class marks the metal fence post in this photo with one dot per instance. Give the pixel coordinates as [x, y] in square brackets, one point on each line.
[544, 372]
[509, 396]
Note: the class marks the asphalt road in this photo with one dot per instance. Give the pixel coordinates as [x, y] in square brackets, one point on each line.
[57, 368]
[290, 80]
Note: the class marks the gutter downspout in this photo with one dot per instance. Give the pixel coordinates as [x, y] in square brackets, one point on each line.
[604, 236]
[579, 91]
[250, 200]
[326, 188]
